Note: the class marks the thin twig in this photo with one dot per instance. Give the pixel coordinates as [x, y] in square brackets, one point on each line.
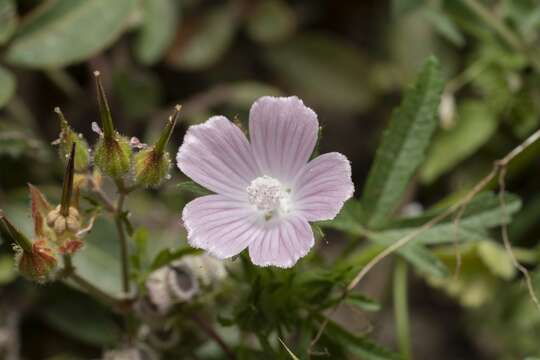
[499, 167]
[213, 334]
[506, 240]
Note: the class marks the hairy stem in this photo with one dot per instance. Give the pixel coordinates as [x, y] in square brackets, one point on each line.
[124, 253]
[401, 309]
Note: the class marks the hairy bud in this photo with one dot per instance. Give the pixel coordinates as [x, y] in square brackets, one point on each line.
[112, 155]
[67, 138]
[152, 164]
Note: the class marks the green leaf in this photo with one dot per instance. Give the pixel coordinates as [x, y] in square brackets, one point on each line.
[424, 260]
[7, 268]
[349, 220]
[7, 86]
[8, 20]
[271, 21]
[496, 259]
[357, 345]
[401, 7]
[193, 188]
[99, 263]
[166, 256]
[445, 26]
[324, 70]
[208, 43]
[475, 124]
[363, 302]
[160, 19]
[65, 32]
[78, 317]
[404, 145]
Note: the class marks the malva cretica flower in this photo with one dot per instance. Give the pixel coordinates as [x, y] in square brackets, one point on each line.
[267, 190]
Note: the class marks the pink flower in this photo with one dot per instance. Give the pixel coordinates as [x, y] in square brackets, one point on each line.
[267, 190]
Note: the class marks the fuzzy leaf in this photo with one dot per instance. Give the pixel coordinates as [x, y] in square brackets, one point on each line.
[160, 19]
[404, 145]
[64, 32]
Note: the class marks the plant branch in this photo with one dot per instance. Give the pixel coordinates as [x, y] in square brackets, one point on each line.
[401, 309]
[204, 326]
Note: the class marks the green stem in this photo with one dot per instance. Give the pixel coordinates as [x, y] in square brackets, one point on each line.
[124, 251]
[401, 308]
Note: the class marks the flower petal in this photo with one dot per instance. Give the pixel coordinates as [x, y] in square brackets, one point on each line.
[217, 155]
[323, 187]
[220, 225]
[282, 243]
[283, 134]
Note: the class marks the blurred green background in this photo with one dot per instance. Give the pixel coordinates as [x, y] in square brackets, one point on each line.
[348, 60]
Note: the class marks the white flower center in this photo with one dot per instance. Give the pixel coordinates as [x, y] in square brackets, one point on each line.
[268, 194]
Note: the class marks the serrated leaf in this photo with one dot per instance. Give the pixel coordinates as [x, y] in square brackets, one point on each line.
[65, 32]
[160, 19]
[271, 21]
[475, 124]
[404, 145]
[211, 38]
[193, 188]
[306, 61]
[7, 86]
[8, 20]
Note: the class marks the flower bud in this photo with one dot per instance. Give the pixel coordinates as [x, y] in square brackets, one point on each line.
[183, 284]
[151, 168]
[37, 264]
[67, 138]
[152, 164]
[66, 228]
[112, 153]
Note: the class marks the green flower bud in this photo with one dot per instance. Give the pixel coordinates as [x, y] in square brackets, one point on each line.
[151, 168]
[112, 155]
[152, 165]
[65, 141]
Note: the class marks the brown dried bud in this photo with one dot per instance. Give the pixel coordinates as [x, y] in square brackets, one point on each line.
[38, 263]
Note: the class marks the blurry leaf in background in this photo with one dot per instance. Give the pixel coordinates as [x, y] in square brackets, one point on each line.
[497, 259]
[475, 125]
[7, 86]
[404, 145]
[424, 261]
[99, 263]
[271, 21]
[160, 20]
[445, 26]
[8, 20]
[139, 91]
[200, 45]
[411, 41]
[243, 94]
[80, 317]
[7, 269]
[402, 7]
[323, 70]
[63, 32]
